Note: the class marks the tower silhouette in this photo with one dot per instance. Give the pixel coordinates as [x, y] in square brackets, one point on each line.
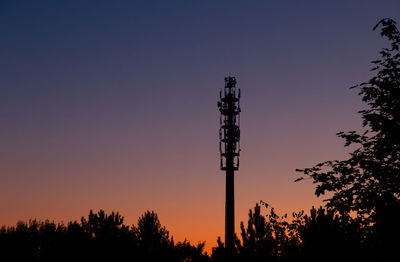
[229, 147]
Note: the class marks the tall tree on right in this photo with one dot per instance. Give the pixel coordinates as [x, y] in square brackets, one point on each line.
[368, 182]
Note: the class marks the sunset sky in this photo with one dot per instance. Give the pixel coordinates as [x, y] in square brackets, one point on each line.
[113, 104]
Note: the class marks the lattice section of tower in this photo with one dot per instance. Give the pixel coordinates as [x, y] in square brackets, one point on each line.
[229, 132]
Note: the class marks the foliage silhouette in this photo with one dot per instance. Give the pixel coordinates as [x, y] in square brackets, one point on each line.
[266, 238]
[328, 236]
[368, 183]
[100, 236]
[108, 236]
[321, 235]
[154, 241]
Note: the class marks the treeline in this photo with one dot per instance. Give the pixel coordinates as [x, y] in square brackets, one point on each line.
[99, 237]
[320, 235]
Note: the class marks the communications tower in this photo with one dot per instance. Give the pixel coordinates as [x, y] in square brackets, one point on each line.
[229, 147]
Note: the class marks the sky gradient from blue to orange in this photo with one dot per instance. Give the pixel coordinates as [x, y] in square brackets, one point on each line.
[112, 104]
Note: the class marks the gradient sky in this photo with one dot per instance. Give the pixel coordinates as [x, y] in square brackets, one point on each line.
[112, 104]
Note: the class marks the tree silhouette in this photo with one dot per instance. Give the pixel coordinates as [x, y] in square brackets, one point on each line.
[368, 183]
[77, 242]
[264, 238]
[154, 241]
[109, 237]
[188, 252]
[327, 236]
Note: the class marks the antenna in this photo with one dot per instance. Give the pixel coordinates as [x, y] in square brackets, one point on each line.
[229, 146]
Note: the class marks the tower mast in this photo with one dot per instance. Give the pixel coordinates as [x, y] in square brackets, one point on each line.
[229, 147]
